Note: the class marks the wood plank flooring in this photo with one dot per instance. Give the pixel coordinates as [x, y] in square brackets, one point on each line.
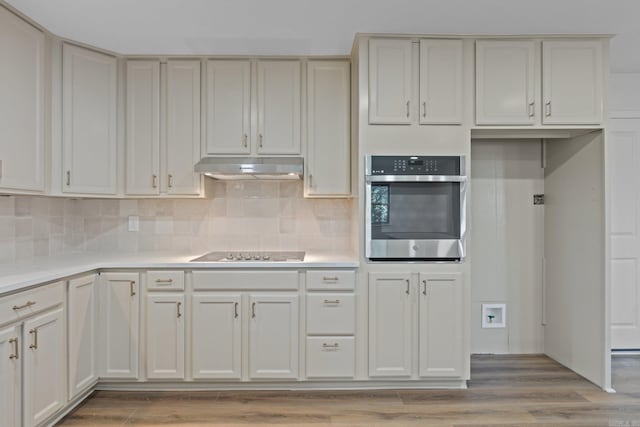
[505, 391]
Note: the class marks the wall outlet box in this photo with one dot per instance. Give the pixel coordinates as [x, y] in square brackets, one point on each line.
[134, 223]
[494, 316]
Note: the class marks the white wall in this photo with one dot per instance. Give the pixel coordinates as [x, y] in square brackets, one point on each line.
[506, 243]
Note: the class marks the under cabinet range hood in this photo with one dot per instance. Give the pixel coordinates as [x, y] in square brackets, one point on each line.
[243, 168]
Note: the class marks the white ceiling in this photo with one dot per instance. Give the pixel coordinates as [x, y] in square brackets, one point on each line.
[322, 27]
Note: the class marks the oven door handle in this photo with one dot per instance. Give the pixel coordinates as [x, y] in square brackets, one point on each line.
[415, 178]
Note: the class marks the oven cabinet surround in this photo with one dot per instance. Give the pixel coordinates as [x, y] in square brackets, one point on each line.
[22, 124]
[162, 144]
[253, 107]
[394, 98]
[33, 365]
[540, 82]
[438, 335]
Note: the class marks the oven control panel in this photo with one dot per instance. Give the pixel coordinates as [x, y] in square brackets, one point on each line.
[416, 165]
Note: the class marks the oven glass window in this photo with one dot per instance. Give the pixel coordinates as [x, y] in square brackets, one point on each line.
[415, 210]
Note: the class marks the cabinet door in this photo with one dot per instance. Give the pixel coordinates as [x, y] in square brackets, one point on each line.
[328, 131]
[441, 81]
[45, 367]
[216, 352]
[390, 328]
[10, 376]
[505, 82]
[143, 127]
[165, 336]
[21, 104]
[390, 63]
[440, 330]
[273, 336]
[89, 121]
[82, 339]
[572, 81]
[278, 96]
[119, 325]
[228, 107]
[183, 127]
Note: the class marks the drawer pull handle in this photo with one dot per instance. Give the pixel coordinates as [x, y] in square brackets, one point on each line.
[34, 342]
[132, 289]
[334, 345]
[16, 355]
[25, 305]
[178, 305]
[330, 279]
[335, 301]
[164, 280]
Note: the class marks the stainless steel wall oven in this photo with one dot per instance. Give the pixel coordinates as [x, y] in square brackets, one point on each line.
[415, 208]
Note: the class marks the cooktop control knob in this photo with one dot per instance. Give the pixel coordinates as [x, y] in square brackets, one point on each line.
[266, 258]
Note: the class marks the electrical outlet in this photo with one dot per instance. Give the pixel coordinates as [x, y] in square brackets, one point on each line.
[134, 223]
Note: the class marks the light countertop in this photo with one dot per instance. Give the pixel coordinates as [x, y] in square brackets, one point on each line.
[25, 274]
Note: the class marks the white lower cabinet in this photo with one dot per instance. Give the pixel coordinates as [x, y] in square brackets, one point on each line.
[216, 352]
[44, 366]
[273, 336]
[10, 375]
[165, 336]
[441, 325]
[331, 357]
[390, 329]
[82, 334]
[393, 337]
[119, 320]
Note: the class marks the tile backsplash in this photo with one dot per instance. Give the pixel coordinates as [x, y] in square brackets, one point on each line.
[256, 215]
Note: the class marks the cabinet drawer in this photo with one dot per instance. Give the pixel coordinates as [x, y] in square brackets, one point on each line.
[165, 280]
[24, 304]
[234, 280]
[330, 357]
[332, 280]
[331, 314]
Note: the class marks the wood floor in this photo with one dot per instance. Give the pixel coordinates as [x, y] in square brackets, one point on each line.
[505, 391]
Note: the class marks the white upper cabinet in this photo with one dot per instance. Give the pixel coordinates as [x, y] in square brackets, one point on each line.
[143, 127]
[505, 82]
[572, 82]
[89, 121]
[278, 106]
[21, 105]
[441, 82]
[183, 127]
[228, 107]
[328, 171]
[390, 64]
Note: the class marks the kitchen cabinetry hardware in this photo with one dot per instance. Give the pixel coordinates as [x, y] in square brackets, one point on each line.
[547, 109]
[261, 140]
[253, 310]
[408, 102]
[68, 178]
[170, 181]
[244, 140]
[532, 110]
[330, 278]
[178, 313]
[154, 181]
[424, 108]
[164, 280]
[132, 289]
[334, 345]
[235, 311]
[25, 305]
[34, 339]
[16, 354]
[408, 289]
[424, 291]
[335, 301]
